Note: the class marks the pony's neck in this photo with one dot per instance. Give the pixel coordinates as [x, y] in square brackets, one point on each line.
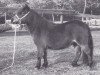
[36, 21]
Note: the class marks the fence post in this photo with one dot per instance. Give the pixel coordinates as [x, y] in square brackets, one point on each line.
[53, 17]
[5, 17]
[61, 18]
[95, 22]
[42, 14]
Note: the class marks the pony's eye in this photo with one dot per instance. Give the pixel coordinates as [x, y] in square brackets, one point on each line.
[23, 13]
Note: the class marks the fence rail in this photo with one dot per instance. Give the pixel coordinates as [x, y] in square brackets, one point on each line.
[88, 16]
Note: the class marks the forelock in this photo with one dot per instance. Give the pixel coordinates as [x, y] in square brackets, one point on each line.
[26, 7]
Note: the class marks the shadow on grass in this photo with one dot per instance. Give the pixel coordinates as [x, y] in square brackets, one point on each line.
[11, 33]
[69, 57]
[6, 62]
[24, 57]
[20, 60]
[65, 57]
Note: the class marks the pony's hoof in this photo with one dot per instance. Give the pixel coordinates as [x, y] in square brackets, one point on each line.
[75, 64]
[38, 67]
[91, 64]
[45, 65]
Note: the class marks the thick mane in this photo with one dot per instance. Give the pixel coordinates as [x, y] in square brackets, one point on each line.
[41, 20]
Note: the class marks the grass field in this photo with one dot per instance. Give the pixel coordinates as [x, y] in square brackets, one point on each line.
[25, 57]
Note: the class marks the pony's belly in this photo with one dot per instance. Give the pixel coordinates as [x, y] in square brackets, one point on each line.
[57, 48]
[60, 45]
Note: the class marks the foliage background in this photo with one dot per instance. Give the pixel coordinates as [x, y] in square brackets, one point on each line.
[92, 6]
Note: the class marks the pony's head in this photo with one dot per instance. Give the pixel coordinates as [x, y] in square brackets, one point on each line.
[21, 15]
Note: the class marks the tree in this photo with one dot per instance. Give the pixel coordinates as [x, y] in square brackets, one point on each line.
[93, 7]
[78, 5]
[19, 1]
[64, 4]
[42, 4]
[2, 4]
[7, 1]
[49, 4]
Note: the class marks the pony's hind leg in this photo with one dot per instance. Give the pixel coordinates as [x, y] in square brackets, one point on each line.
[87, 51]
[78, 54]
[84, 58]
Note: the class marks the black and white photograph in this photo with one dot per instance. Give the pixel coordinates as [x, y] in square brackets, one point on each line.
[49, 37]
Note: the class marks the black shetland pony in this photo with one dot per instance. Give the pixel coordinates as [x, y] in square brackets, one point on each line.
[47, 35]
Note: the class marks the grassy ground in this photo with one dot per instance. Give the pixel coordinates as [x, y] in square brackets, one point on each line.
[25, 57]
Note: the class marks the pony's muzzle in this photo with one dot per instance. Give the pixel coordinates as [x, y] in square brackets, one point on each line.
[15, 20]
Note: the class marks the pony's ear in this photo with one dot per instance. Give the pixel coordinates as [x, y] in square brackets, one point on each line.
[26, 7]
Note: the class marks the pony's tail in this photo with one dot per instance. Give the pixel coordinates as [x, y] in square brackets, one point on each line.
[90, 44]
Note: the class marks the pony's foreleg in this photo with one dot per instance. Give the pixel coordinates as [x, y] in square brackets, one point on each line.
[45, 64]
[78, 54]
[39, 57]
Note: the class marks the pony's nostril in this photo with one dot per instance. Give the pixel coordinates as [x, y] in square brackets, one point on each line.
[11, 20]
[14, 21]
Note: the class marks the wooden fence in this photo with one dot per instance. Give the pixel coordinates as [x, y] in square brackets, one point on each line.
[60, 12]
[90, 19]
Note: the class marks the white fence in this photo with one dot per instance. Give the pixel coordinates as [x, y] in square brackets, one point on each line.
[93, 22]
